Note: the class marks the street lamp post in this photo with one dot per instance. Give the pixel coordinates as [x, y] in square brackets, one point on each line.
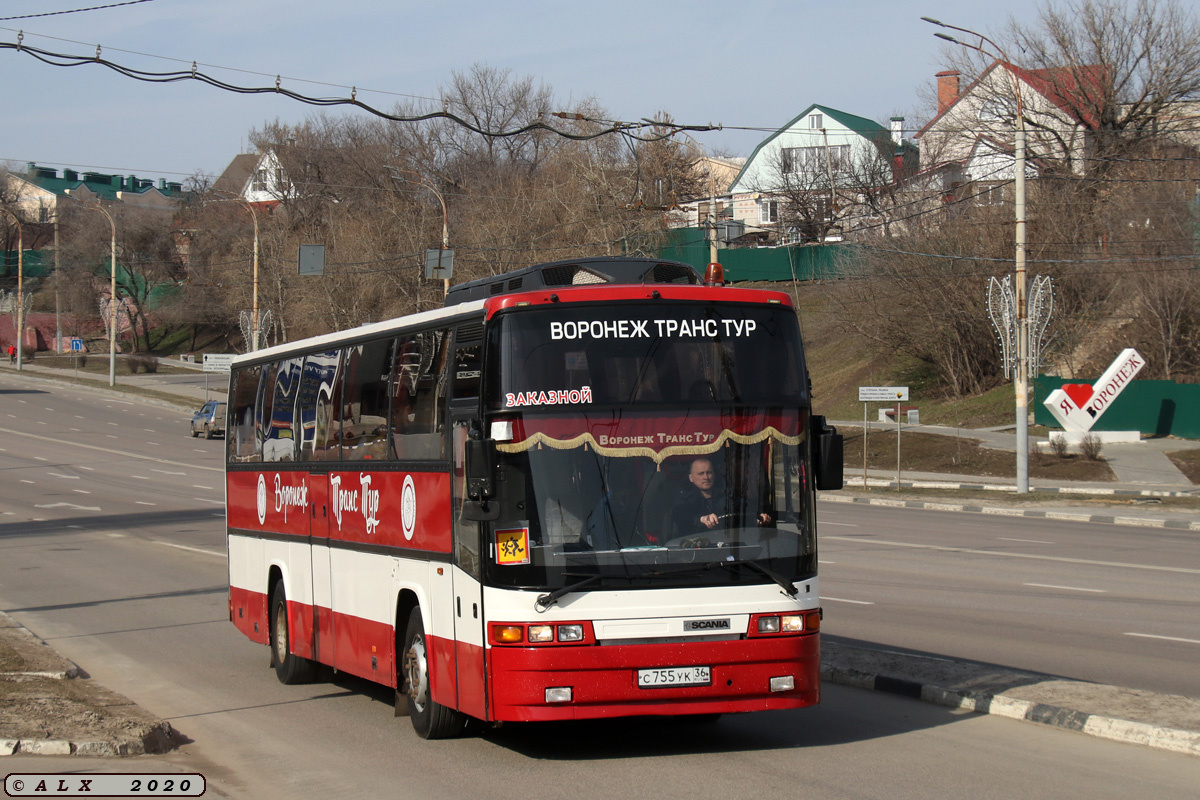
[1021, 367]
[423, 181]
[20, 290]
[112, 293]
[254, 299]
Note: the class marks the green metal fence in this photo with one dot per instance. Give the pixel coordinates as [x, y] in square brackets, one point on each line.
[1162, 408]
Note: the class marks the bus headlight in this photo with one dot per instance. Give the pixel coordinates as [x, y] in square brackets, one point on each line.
[541, 633]
[792, 623]
[570, 633]
[768, 624]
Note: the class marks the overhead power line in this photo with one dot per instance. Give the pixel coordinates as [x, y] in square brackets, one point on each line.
[75, 10]
[642, 130]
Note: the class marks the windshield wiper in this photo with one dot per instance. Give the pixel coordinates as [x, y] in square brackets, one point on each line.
[550, 598]
[761, 570]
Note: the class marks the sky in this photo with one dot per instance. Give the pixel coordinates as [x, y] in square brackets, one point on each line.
[750, 67]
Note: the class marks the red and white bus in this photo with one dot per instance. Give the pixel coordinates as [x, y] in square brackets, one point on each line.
[582, 490]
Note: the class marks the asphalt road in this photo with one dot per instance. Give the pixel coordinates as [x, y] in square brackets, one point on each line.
[111, 548]
[1104, 603]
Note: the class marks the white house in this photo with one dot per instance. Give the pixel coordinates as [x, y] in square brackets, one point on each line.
[823, 158]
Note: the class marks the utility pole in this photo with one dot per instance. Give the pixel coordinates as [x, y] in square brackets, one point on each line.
[1021, 365]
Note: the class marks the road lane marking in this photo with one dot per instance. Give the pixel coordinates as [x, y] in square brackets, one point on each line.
[1029, 541]
[81, 491]
[819, 561]
[213, 553]
[25, 481]
[1002, 554]
[1067, 588]
[206, 500]
[1166, 638]
[70, 505]
[64, 477]
[843, 600]
[167, 472]
[111, 451]
[839, 524]
[39, 458]
[144, 503]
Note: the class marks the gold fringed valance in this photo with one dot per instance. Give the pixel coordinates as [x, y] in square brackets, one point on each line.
[658, 456]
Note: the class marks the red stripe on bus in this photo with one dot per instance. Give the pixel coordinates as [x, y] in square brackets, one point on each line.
[410, 510]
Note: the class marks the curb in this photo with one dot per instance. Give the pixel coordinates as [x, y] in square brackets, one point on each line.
[143, 736]
[1103, 727]
[1008, 488]
[1108, 519]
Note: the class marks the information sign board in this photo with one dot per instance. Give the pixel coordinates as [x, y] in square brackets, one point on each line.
[883, 394]
[217, 362]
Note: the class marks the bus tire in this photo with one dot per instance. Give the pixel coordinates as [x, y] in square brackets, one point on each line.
[431, 720]
[289, 667]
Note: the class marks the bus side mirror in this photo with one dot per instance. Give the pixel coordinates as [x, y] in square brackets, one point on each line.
[481, 469]
[480, 458]
[827, 455]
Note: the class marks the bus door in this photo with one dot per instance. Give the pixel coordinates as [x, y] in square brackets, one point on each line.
[322, 622]
[466, 366]
[468, 592]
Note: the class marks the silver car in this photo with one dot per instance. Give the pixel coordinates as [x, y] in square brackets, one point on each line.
[209, 420]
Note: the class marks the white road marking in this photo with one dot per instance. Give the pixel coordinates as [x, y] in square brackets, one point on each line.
[70, 505]
[1002, 554]
[213, 553]
[144, 503]
[822, 523]
[1029, 541]
[1067, 588]
[1166, 638]
[81, 491]
[64, 477]
[165, 472]
[843, 600]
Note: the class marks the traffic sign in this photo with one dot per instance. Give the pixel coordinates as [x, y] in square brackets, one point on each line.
[76, 344]
[882, 394]
[217, 362]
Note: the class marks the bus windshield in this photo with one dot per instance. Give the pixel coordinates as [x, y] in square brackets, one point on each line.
[653, 500]
[655, 353]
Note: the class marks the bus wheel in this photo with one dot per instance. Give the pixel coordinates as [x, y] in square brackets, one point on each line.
[431, 720]
[289, 667]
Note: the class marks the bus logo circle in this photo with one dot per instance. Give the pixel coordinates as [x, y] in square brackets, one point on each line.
[408, 507]
[262, 499]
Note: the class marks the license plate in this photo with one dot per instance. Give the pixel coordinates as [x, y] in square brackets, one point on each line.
[674, 676]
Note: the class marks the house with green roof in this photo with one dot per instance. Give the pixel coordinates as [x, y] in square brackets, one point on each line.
[800, 182]
[37, 191]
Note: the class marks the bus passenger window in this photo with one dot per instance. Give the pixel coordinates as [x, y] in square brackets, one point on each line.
[279, 442]
[364, 428]
[320, 396]
[419, 396]
[242, 443]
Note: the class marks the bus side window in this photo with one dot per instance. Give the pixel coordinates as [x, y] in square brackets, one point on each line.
[419, 396]
[320, 396]
[279, 443]
[364, 429]
[242, 444]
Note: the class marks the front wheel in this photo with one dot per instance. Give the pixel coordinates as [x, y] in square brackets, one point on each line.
[430, 719]
[289, 667]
